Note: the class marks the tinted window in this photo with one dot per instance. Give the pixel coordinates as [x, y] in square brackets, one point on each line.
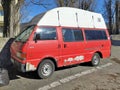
[95, 35]
[46, 34]
[70, 35]
[78, 35]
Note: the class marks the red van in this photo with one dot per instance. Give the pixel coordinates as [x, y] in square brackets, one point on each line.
[61, 37]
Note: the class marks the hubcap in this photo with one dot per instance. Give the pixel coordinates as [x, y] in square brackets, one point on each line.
[96, 60]
[46, 69]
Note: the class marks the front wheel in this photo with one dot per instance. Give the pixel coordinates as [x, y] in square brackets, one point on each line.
[95, 60]
[46, 69]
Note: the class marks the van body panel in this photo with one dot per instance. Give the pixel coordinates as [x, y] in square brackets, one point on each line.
[18, 47]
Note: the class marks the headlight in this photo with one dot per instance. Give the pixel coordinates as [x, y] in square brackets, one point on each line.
[21, 55]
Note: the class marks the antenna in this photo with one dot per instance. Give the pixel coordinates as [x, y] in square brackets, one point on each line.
[77, 19]
[58, 18]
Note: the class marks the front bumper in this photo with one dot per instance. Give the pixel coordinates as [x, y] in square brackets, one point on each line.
[19, 66]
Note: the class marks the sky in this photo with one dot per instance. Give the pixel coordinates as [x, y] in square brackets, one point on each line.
[99, 6]
[33, 10]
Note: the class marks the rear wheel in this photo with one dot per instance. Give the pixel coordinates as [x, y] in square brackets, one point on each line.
[46, 69]
[95, 60]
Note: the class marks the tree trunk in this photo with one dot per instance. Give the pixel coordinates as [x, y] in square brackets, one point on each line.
[11, 18]
[14, 18]
[6, 8]
[110, 17]
[117, 18]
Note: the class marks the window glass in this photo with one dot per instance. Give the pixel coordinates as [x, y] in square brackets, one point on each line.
[23, 37]
[95, 35]
[46, 34]
[104, 36]
[70, 35]
[78, 35]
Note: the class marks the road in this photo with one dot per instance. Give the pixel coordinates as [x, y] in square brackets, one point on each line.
[79, 77]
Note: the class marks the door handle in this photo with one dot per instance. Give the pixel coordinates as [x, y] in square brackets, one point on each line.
[65, 45]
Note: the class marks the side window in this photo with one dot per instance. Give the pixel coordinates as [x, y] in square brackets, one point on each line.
[72, 35]
[89, 35]
[68, 35]
[46, 34]
[78, 35]
[104, 36]
[95, 35]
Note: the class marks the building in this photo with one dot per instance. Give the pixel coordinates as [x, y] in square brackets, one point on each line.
[1, 20]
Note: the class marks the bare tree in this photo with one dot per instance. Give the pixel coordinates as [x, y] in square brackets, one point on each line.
[109, 13]
[11, 17]
[82, 4]
[67, 3]
[24, 13]
[40, 2]
[117, 4]
[86, 4]
[6, 8]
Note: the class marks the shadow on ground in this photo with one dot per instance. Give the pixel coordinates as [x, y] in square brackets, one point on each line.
[5, 62]
[116, 42]
[87, 64]
[5, 59]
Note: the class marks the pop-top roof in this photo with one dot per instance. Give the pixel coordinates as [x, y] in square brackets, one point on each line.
[70, 17]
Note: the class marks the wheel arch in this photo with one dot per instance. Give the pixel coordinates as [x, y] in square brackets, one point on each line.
[50, 58]
[100, 54]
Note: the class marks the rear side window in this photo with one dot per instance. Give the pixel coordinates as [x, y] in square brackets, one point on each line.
[46, 34]
[72, 35]
[78, 35]
[95, 35]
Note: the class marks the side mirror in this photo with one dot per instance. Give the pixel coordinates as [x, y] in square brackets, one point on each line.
[36, 37]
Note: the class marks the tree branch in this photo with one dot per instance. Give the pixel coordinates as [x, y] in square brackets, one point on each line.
[40, 3]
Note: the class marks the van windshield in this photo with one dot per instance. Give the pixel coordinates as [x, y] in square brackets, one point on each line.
[23, 37]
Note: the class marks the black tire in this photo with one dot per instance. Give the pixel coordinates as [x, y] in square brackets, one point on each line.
[95, 60]
[45, 69]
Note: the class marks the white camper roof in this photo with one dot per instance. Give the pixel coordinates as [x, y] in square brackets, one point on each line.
[72, 17]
